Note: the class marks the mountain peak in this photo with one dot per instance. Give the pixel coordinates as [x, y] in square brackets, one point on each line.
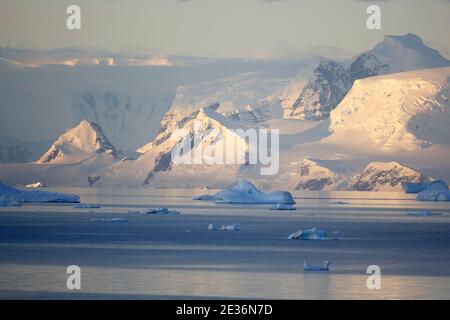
[407, 52]
[78, 143]
[409, 40]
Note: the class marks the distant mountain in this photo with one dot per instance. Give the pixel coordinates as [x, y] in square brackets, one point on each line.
[15, 150]
[79, 143]
[403, 111]
[330, 81]
[318, 178]
[386, 176]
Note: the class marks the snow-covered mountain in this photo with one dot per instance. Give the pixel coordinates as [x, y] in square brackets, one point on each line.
[386, 176]
[330, 81]
[316, 177]
[403, 111]
[328, 85]
[204, 132]
[407, 52]
[77, 144]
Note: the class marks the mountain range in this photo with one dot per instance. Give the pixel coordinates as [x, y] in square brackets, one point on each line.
[381, 125]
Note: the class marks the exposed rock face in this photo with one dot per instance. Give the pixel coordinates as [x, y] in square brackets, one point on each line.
[386, 176]
[329, 84]
[314, 177]
[331, 81]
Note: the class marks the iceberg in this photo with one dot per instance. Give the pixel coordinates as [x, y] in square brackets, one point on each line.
[35, 185]
[162, 211]
[118, 219]
[86, 206]
[435, 192]
[10, 202]
[416, 187]
[282, 206]
[37, 196]
[231, 227]
[311, 267]
[310, 234]
[227, 227]
[155, 211]
[246, 193]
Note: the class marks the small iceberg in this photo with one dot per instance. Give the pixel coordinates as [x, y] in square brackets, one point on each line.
[227, 227]
[310, 234]
[435, 192]
[161, 211]
[86, 206]
[244, 192]
[118, 219]
[282, 206]
[37, 196]
[311, 267]
[155, 211]
[10, 202]
[35, 185]
[424, 213]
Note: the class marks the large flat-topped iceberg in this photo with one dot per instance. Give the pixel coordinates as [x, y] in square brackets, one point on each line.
[36, 196]
[245, 192]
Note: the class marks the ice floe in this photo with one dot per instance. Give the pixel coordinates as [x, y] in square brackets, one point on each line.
[246, 193]
[309, 234]
[312, 267]
[37, 196]
[226, 227]
[282, 206]
[118, 219]
[435, 192]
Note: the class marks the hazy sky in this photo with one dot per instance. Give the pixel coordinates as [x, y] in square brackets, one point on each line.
[224, 28]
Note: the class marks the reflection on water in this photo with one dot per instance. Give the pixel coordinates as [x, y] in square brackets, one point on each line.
[157, 257]
[220, 284]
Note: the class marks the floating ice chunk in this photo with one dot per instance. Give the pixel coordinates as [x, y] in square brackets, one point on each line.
[310, 234]
[245, 192]
[282, 206]
[424, 213]
[10, 202]
[231, 227]
[118, 219]
[161, 211]
[212, 227]
[226, 227]
[37, 196]
[86, 206]
[435, 192]
[311, 267]
[205, 197]
[35, 185]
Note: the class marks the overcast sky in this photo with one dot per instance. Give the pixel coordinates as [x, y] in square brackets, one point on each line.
[221, 28]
